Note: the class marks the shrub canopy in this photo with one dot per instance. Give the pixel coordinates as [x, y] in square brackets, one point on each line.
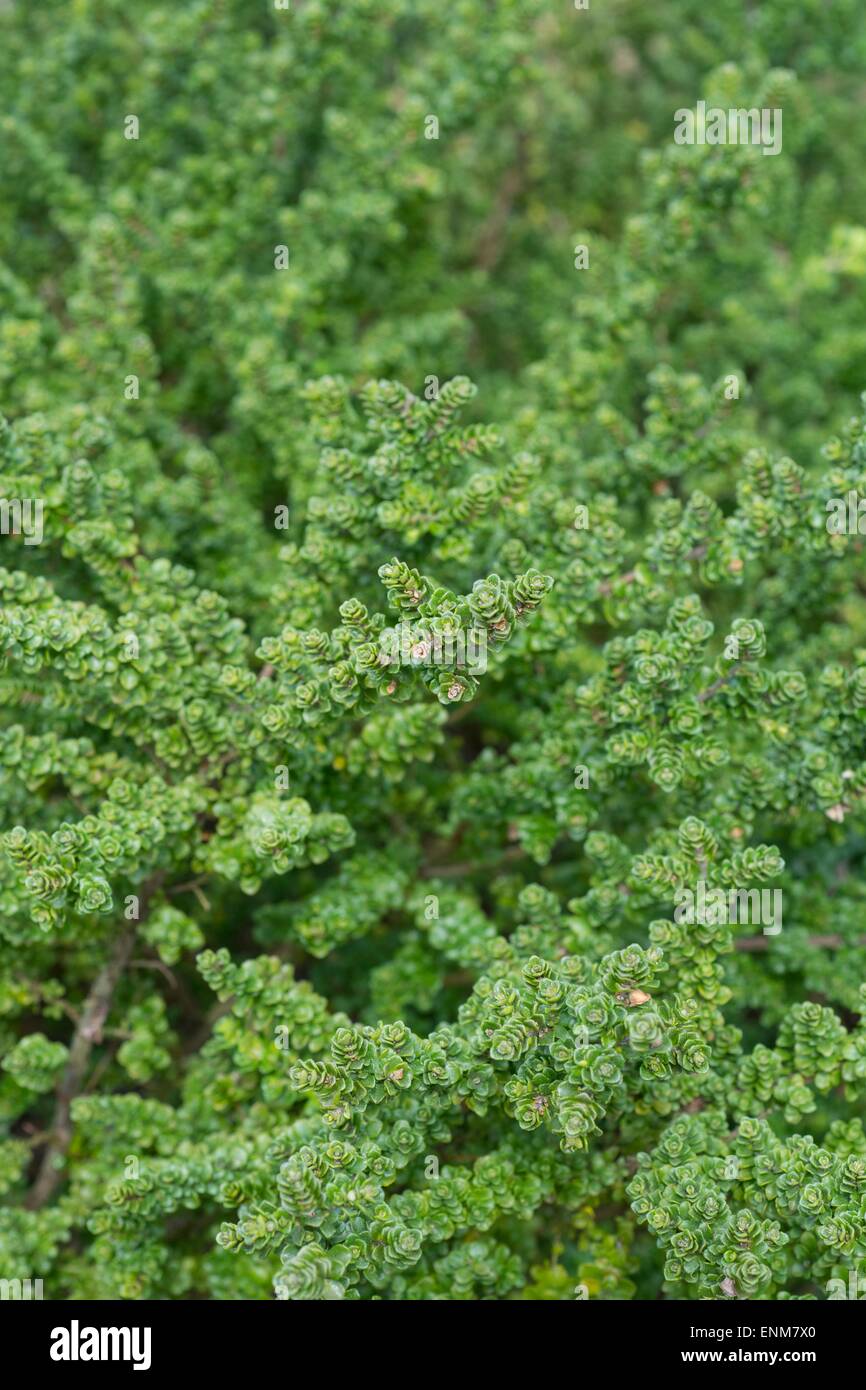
[417, 589]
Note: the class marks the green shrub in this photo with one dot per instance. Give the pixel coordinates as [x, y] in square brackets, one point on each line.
[433, 812]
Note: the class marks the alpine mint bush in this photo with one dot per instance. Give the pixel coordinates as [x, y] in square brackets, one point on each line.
[433, 648]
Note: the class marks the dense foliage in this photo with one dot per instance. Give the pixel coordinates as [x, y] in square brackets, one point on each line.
[434, 590]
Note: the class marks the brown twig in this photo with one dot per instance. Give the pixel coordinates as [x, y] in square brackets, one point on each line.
[832, 940]
[711, 690]
[87, 1032]
[491, 242]
[174, 981]
[606, 586]
[205, 1029]
[463, 870]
